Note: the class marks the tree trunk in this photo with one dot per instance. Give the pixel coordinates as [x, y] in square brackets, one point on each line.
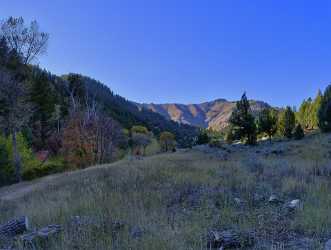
[17, 158]
[14, 227]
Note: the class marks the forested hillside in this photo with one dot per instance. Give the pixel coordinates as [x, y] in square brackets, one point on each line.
[52, 123]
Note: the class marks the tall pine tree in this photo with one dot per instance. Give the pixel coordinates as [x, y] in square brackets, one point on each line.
[286, 122]
[243, 122]
[324, 112]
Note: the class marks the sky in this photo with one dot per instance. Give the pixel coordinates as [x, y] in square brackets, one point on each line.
[185, 51]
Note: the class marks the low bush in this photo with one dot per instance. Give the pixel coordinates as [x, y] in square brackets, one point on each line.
[50, 167]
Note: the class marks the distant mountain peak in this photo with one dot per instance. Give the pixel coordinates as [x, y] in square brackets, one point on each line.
[211, 114]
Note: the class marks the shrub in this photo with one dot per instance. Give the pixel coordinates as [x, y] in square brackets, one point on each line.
[50, 167]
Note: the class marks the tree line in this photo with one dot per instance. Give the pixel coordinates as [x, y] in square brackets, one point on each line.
[285, 122]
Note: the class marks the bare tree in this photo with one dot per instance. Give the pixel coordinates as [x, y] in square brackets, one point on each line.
[14, 112]
[90, 137]
[28, 41]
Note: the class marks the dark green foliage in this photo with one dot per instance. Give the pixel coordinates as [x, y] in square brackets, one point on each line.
[203, 137]
[298, 132]
[316, 106]
[76, 87]
[243, 122]
[286, 122]
[267, 122]
[7, 174]
[43, 98]
[304, 113]
[229, 136]
[324, 112]
[308, 112]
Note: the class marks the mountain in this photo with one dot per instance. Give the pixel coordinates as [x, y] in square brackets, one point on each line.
[128, 114]
[214, 114]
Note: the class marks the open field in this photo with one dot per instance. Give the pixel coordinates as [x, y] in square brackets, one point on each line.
[172, 201]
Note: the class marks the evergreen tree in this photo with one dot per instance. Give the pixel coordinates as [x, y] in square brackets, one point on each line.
[243, 122]
[298, 132]
[305, 115]
[315, 108]
[203, 137]
[267, 122]
[286, 122]
[44, 101]
[324, 112]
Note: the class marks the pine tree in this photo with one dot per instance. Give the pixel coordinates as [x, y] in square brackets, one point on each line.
[243, 122]
[324, 112]
[298, 132]
[44, 101]
[267, 122]
[203, 137]
[315, 108]
[286, 122]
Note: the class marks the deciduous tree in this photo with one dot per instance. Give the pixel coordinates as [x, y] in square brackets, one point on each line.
[167, 141]
[26, 40]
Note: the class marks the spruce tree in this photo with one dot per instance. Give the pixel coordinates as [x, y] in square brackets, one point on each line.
[298, 132]
[203, 137]
[286, 122]
[324, 112]
[44, 100]
[315, 108]
[243, 122]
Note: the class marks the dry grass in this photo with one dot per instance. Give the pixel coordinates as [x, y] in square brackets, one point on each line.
[171, 201]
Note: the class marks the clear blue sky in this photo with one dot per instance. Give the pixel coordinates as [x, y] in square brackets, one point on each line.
[189, 51]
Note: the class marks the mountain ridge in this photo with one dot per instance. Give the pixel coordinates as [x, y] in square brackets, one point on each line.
[213, 114]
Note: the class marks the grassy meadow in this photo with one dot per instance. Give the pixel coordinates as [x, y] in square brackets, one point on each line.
[172, 201]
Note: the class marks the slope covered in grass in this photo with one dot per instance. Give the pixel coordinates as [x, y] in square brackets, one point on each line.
[172, 201]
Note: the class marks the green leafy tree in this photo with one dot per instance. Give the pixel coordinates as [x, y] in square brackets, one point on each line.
[140, 138]
[267, 122]
[167, 141]
[139, 129]
[243, 122]
[286, 122]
